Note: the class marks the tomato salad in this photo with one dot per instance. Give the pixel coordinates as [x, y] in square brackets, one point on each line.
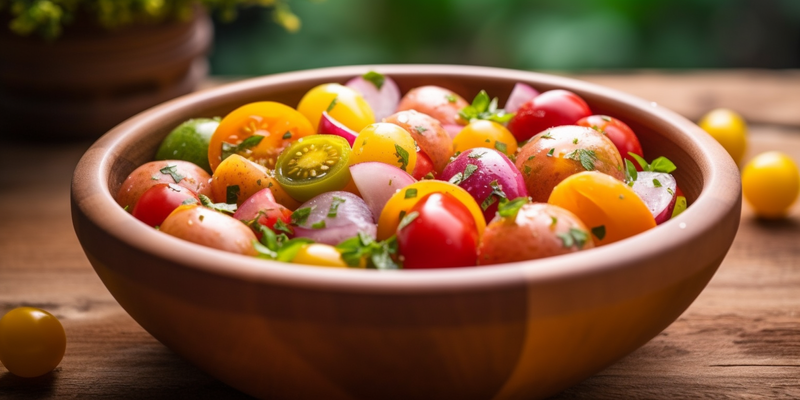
[358, 176]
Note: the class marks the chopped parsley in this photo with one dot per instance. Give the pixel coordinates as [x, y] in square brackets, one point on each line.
[172, 170]
[547, 135]
[605, 118]
[599, 232]
[550, 153]
[334, 209]
[575, 141]
[333, 104]
[282, 227]
[553, 220]
[229, 149]
[660, 164]
[527, 169]
[631, 175]
[232, 194]
[287, 135]
[300, 215]
[509, 209]
[375, 78]
[318, 225]
[378, 254]
[410, 193]
[277, 247]
[656, 183]
[407, 219]
[420, 129]
[497, 192]
[462, 176]
[402, 156]
[500, 146]
[574, 237]
[189, 201]
[475, 155]
[450, 98]
[220, 207]
[586, 157]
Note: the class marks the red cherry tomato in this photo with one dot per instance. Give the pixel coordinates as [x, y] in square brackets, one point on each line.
[262, 205]
[620, 134]
[160, 200]
[423, 167]
[549, 109]
[438, 232]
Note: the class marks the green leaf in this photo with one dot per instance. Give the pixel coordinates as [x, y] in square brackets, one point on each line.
[379, 255]
[287, 135]
[527, 169]
[300, 216]
[500, 146]
[663, 164]
[550, 153]
[224, 208]
[231, 149]
[172, 170]
[420, 129]
[407, 219]
[497, 192]
[189, 201]
[451, 98]
[410, 193]
[547, 135]
[375, 78]
[656, 183]
[587, 158]
[574, 237]
[475, 155]
[631, 175]
[642, 162]
[282, 227]
[335, 202]
[232, 194]
[318, 225]
[509, 209]
[333, 104]
[483, 108]
[599, 232]
[402, 156]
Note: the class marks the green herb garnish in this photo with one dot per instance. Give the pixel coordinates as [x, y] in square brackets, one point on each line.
[587, 158]
[172, 170]
[318, 225]
[660, 164]
[574, 237]
[402, 156]
[300, 216]
[287, 135]
[550, 153]
[500, 146]
[224, 208]
[509, 209]
[599, 232]
[407, 219]
[410, 193]
[379, 255]
[335, 202]
[232, 194]
[483, 108]
[229, 149]
[333, 104]
[374, 78]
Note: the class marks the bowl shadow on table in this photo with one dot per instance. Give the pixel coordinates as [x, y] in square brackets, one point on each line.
[40, 387]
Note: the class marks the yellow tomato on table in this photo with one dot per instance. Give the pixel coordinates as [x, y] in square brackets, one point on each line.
[770, 183]
[729, 129]
[32, 342]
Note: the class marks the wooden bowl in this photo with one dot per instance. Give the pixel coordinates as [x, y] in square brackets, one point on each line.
[519, 330]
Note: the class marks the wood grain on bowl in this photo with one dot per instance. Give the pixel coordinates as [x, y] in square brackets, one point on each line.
[519, 330]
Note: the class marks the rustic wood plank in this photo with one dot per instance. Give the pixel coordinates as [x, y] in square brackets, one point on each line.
[741, 338]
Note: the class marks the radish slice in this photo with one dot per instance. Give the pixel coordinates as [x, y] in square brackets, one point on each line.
[334, 217]
[658, 190]
[384, 99]
[519, 96]
[377, 182]
[330, 126]
[453, 129]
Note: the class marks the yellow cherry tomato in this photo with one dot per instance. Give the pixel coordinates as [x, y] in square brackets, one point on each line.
[401, 202]
[32, 342]
[729, 129]
[319, 254]
[611, 209]
[276, 123]
[484, 133]
[386, 143]
[770, 183]
[345, 105]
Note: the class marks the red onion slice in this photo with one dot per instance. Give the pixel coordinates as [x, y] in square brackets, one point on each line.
[519, 96]
[383, 100]
[330, 126]
[377, 182]
[658, 191]
[334, 217]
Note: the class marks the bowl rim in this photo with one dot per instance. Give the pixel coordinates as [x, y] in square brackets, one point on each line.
[91, 197]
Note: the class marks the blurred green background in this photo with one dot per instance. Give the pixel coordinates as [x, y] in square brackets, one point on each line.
[570, 35]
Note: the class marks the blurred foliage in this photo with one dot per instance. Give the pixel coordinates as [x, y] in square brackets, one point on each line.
[524, 34]
[49, 17]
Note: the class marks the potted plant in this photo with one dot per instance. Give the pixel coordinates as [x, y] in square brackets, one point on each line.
[75, 68]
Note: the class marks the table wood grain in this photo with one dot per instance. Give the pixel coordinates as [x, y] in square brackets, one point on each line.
[740, 338]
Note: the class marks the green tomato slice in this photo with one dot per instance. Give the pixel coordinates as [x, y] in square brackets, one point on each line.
[313, 165]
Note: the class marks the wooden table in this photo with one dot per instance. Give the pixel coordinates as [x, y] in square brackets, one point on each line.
[741, 338]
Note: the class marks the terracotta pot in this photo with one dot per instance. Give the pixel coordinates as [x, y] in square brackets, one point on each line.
[521, 330]
[90, 79]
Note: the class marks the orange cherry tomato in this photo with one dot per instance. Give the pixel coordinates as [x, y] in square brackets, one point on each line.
[610, 209]
[276, 123]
